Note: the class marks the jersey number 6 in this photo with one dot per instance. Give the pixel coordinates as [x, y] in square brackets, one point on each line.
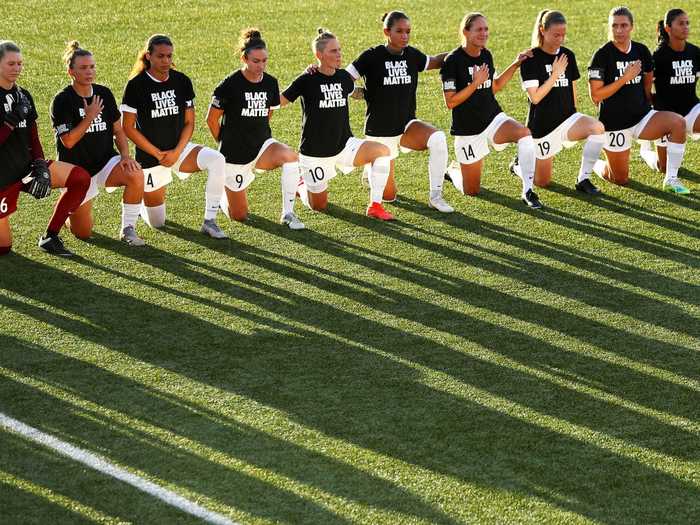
[3, 205]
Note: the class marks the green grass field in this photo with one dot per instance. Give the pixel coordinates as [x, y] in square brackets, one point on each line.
[496, 365]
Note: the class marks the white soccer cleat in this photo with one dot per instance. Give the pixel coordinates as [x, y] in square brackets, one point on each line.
[649, 156]
[129, 236]
[437, 202]
[292, 221]
[210, 228]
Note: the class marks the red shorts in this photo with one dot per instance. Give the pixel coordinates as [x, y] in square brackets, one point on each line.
[8, 198]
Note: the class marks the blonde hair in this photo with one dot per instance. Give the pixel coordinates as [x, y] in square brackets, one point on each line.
[466, 24]
[73, 50]
[318, 44]
[142, 63]
[545, 19]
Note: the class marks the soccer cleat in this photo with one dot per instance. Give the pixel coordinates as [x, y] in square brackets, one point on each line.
[54, 245]
[377, 211]
[587, 187]
[675, 186]
[532, 200]
[129, 236]
[210, 228]
[438, 202]
[292, 221]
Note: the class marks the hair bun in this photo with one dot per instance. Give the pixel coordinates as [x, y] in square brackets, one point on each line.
[320, 30]
[383, 18]
[73, 45]
[252, 34]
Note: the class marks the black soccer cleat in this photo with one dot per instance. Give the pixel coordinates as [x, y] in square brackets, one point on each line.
[587, 187]
[54, 245]
[532, 200]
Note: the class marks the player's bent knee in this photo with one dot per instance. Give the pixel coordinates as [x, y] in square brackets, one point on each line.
[437, 141]
[598, 128]
[4, 250]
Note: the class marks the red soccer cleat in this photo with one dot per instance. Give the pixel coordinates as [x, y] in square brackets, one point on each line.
[377, 211]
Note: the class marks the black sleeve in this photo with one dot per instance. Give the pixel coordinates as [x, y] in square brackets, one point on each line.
[218, 99]
[696, 61]
[295, 89]
[111, 111]
[60, 115]
[421, 59]
[274, 100]
[448, 74]
[363, 62]
[529, 74]
[132, 94]
[189, 92]
[574, 73]
[647, 62]
[596, 69]
[33, 115]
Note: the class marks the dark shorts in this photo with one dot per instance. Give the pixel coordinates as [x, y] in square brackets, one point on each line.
[8, 198]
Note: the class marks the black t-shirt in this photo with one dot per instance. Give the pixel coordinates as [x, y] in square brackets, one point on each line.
[629, 105]
[160, 110]
[475, 114]
[391, 82]
[675, 78]
[96, 147]
[15, 155]
[246, 124]
[559, 103]
[324, 101]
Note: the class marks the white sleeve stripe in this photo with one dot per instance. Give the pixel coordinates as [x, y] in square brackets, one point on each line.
[530, 84]
[427, 63]
[127, 109]
[353, 72]
[275, 107]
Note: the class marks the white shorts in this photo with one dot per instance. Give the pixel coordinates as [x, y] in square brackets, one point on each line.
[240, 176]
[317, 171]
[621, 140]
[99, 180]
[394, 143]
[548, 146]
[472, 148]
[159, 176]
[690, 120]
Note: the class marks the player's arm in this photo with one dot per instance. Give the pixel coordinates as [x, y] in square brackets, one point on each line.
[138, 138]
[436, 61]
[536, 94]
[599, 91]
[92, 110]
[454, 98]
[214, 121]
[501, 80]
[648, 82]
[122, 144]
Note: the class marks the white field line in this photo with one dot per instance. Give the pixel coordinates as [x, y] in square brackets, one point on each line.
[105, 467]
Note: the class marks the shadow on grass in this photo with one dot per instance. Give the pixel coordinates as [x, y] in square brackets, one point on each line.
[343, 386]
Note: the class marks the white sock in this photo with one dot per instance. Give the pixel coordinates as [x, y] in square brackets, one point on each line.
[303, 191]
[215, 164]
[290, 180]
[674, 159]
[648, 154]
[591, 153]
[455, 173]
[599, 167]
[518, 171]
[526, 159]
[223, 203]
[130, 214]
[378, 178]
[437, 162]
[154, 216]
